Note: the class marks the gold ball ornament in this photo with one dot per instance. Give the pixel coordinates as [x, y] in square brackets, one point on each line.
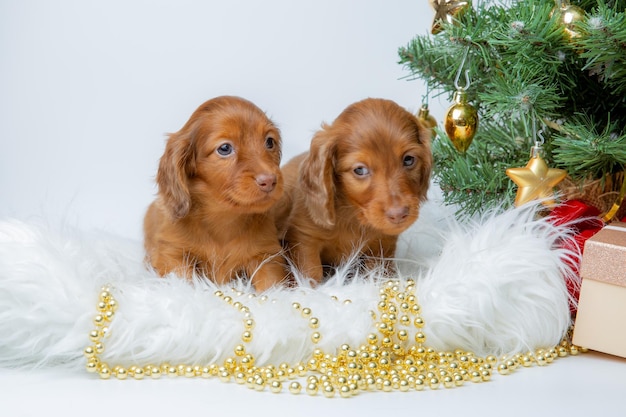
[536, 180]
[461, 122]
[568, 15]
[447, 11]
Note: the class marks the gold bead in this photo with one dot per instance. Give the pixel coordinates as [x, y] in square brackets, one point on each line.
[296, 305]
[240, 350]
[246, 336]
[420, 337]
[485, 375]
[104, 332]
[155, 372]
[90, 351]
[99, 320]
[458, 379]
[105, 372]
[276, 387]
[503, 369]
[316, 337]
[312, 388]
[419, 384]
[172, 371]
[328, 391]
[249, 324]
[418, 322]
[112, 304]
[305, 312]
[105, 295]
[92, 365]
[301, 369]
[295, 387]
[94, 335]
[137, 373]
[314, 323]
[240, 378]
[403, 335]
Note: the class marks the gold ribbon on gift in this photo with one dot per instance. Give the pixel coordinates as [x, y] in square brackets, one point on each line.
[610, 213]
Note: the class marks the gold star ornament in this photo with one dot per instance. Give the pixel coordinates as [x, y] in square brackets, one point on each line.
[536, 180]
[447, 11]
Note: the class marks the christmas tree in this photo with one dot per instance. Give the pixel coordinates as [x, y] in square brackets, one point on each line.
[538, 72]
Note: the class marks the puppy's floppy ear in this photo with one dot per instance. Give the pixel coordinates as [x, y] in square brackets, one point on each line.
[176, 166]
[424, 137]
[317, 179]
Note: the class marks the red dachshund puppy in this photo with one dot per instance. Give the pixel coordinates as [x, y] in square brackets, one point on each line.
[357, 189]
[218, 179]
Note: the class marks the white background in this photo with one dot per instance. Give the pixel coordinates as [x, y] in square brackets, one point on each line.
[89, 89]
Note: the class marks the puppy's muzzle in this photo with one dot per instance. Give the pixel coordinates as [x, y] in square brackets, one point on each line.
[266, 182]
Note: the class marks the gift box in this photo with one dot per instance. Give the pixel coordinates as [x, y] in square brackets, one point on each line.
[601, 319]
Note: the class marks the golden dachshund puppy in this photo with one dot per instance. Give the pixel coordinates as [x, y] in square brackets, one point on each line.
[218, 179]
[360, 185]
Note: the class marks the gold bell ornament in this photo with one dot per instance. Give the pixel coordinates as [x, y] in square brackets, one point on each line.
[461, 118]
[569, 15]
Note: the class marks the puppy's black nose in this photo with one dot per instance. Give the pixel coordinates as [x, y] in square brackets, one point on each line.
[397, 214]
[266, 182]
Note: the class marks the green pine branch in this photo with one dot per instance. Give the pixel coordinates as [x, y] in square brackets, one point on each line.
[525, 73]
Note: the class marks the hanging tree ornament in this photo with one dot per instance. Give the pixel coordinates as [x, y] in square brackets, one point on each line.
[536, 180]
[569, 15]
[447, 11]
[461, 119]
[427, 119]
[424, 116]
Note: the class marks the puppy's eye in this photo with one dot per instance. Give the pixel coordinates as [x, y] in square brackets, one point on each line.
[361, 171]
[408, 161]
[270, 142]
[225, 149]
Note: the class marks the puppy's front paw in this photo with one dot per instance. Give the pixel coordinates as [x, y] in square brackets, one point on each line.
[270, 274]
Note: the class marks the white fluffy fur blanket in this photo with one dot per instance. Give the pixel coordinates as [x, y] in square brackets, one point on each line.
[495, 285]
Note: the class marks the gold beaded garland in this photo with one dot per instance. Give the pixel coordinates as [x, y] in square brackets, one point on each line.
[386, 361]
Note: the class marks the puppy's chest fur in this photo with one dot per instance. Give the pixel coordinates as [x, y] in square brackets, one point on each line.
[349, 237]
[221, 248]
